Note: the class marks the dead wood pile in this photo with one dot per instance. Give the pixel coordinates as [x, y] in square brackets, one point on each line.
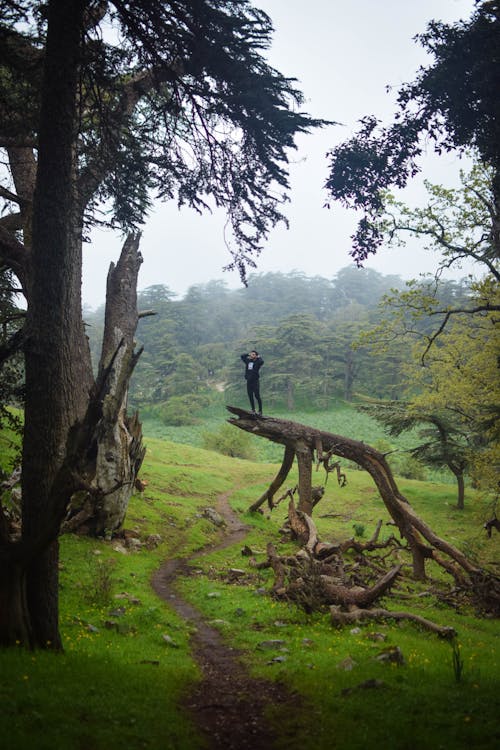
[320, 576]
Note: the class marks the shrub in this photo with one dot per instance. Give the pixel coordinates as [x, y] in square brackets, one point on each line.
[179, 410]
[410, 468]
[230, 442]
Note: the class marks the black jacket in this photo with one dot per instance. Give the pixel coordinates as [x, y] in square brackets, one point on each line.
[252, 366]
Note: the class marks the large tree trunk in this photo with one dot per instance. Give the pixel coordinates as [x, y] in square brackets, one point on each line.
[64, 447]
[349, 375]
[459, 476]
[57, 380]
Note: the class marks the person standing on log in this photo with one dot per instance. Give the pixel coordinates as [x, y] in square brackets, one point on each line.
[253, 363]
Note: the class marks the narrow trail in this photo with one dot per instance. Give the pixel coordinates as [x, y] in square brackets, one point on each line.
[228, 704]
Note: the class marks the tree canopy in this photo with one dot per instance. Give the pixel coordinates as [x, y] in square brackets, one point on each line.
[191, 111]
[452, 104]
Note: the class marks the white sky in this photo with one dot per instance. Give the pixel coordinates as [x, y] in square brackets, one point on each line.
[343, 54]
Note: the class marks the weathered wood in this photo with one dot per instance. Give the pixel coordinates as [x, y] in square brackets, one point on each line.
[340, 617]
[277, 481]
[411, 527]
[119, 451]
[356, 595]
[297, 523]
[277, 566]
[303, 452]
[369, 546]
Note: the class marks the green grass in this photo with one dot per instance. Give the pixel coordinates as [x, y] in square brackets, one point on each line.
[119, 683]
[419, 703]
[342, 419]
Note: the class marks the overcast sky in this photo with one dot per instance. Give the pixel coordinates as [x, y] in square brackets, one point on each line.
[343, 54]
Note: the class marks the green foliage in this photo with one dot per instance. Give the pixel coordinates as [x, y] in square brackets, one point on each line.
[409, 467]
[181, 410]
[230, 442]
[359, 529]
[10, 442]
[457, 661]
[100, 580]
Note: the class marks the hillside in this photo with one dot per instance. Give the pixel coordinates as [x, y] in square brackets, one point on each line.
[117, 632]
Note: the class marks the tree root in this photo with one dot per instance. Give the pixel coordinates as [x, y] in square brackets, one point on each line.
[340, 618]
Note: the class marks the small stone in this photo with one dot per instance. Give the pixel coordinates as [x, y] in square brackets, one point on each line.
[272, 643]
[128, 597]
[214, 517]
[170, 641]
[376, 636]
[133, 543]
[92, 628]
[277, 659]
[347, 664]
[307, 642]
[355, 631]
[120, 548]
[213, 595]
[152, 541]
[391, 655]
[118, 612]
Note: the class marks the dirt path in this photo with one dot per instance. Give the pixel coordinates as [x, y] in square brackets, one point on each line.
[228, 704]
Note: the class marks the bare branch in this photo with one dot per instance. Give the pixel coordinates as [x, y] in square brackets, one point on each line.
[14, 255]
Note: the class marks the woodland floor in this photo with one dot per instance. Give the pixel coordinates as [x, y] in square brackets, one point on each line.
[228, 705]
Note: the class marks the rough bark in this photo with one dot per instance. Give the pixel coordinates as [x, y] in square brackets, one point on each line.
[460, 489]
[277, 566]
[56, 384]
[298, 524]
[62, 451]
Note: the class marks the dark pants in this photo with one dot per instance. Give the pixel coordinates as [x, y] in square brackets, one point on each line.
[253, 390]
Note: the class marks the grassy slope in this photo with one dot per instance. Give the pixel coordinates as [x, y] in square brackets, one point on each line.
[119, 682]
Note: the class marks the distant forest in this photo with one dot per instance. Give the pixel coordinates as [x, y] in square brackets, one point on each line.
[308, 330]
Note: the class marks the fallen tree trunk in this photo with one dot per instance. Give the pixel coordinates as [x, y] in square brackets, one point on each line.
[304, 441]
